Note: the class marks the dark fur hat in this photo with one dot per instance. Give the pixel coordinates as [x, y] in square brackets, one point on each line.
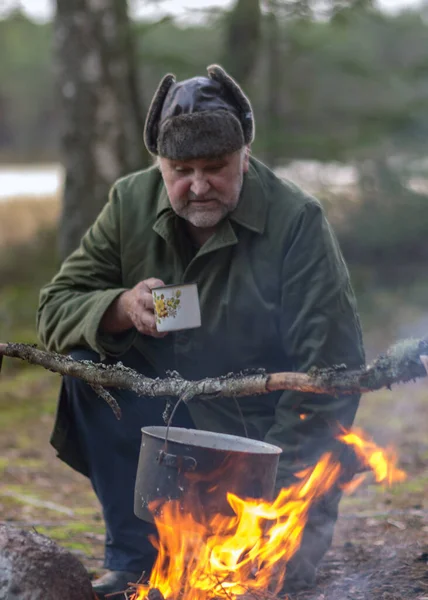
[202, 117]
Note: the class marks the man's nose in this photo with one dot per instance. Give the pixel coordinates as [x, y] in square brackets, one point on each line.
[200, 186]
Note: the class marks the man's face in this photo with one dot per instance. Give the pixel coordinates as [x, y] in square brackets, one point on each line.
[204, 190]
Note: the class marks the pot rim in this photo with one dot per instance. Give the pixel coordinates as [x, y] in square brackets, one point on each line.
[207, 439]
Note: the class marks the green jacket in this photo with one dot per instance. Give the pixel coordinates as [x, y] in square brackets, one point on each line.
[274, 293]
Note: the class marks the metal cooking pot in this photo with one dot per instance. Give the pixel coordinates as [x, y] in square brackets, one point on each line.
[198, 468]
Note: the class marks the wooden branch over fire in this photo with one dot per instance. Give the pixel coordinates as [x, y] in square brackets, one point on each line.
[399, 364]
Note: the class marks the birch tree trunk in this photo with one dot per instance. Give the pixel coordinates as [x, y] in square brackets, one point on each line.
[274, 73]
[243, 36]
[102, 117]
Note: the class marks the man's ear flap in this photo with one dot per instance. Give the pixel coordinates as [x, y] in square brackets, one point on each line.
[242, 102]
[151, 128]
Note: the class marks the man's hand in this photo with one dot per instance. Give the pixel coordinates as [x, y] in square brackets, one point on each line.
[134, 308]
[424, 361]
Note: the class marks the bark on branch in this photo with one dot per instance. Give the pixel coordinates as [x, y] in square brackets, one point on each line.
[399, 364]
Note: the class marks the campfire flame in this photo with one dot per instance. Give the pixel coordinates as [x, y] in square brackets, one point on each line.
[228, 556]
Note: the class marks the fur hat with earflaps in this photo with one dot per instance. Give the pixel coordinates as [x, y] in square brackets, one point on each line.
[202, 117]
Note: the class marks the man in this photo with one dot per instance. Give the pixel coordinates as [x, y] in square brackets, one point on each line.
[274, 294]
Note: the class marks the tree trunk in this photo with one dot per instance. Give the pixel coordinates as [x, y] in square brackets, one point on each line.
[274, 76]
[243, 34]
[102, 117]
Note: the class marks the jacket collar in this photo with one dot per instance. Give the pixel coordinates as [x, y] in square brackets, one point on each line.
[251, 211]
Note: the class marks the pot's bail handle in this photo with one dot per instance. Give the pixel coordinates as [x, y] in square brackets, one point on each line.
[182, 463]
[168, 419]
[182, 398]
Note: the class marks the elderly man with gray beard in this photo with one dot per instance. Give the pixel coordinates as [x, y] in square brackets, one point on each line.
[274, 294]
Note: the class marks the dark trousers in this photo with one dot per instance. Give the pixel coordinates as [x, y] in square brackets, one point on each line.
[110, 449]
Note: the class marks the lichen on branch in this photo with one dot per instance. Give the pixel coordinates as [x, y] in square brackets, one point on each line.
[399, 364]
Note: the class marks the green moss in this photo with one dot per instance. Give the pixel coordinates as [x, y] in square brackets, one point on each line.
[27, 464]
[17, 489]
[3, 464]
[18, 305]
[415, 485]
[27, 395]
[22, 496]
[64, 536]
[85, 511]
[72, 535]
[64, 532]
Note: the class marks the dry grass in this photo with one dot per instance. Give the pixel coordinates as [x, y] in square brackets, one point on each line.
[22, 217]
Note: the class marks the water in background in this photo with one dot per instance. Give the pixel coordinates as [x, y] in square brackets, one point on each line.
[47, 180]
[30, 180]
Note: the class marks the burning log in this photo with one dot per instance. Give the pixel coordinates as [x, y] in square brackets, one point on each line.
[399, 364]
[33, 567]
[155, 594]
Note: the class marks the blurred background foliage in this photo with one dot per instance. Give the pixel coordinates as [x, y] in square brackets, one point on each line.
[349, 88]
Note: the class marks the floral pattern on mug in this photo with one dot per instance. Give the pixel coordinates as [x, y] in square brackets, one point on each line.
[166, 307]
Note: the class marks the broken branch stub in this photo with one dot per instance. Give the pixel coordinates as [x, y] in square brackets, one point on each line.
[424, 360]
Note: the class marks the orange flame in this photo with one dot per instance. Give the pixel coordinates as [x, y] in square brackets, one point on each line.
[225, 556]
[382, 461]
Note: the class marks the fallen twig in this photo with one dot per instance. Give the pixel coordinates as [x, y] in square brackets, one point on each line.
[400, 364]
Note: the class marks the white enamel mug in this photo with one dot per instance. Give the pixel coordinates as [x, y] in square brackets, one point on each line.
[176, 307]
